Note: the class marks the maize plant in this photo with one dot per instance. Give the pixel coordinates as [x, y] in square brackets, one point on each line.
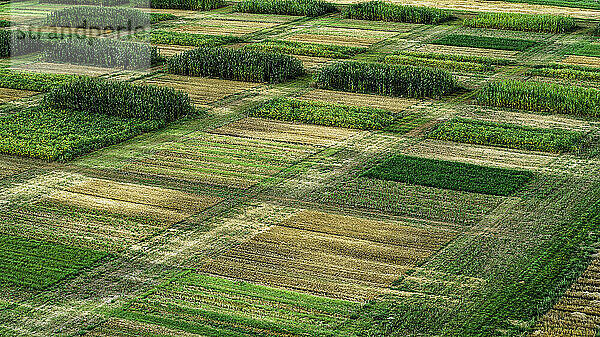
[106, 18]
[286, 7]
[384, 79]
[542, 97]
[522, 22]
[239, 65]
[382, 11]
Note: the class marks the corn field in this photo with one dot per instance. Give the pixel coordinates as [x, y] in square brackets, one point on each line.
[106, 18]
[195, 5]
[384, 79]
[542, 97]
[522, 22]
[239, 65]
[87, 2]
[382, 11]
[286, 7]
[121, 99]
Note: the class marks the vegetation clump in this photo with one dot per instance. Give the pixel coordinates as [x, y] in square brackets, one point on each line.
[383, 11]
[239, 65]
[187, 39]
[474, 41]
[523, 22]
[105, 18]
[286, 7]
[386, 79]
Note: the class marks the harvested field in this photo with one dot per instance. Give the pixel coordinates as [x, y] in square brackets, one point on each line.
[577, 313]
[497, 6]
[338, 40]
[359, 100]
[432, 48]
[286, 132]
[224, 27]
[170, 50]
[312, 63]
[61, 68]
[330, 255]
[586, 61]
[202, 91]
[480, 155]
[9, 95]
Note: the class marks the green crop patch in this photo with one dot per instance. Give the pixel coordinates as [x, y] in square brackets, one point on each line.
[61, 135]
[383, 11]
[522, 22]
[286, 7]
[475, 41]
[327, 114]
[186, 39]
[567, 72]
[36, 265]
[508, 135]
[386, 79]
[306, 49]
[87, 2]
[404, 59]
[591, 4]
[195, 5]
[99, 18]
[542, 97]
[213, 306]
[32, 81]
[450, 175]
[587, 49]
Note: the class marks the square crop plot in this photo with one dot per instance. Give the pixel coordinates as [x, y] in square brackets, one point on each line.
[202, 91]
[100, 214]
[330, 255]
[266, 129]
[36, 265]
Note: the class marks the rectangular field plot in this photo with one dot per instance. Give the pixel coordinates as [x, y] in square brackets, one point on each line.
[195, 304]
[202, 91]
[36, 265]
[359, 100]
[224, 27]
[285, 131]
[170, 50]
[577, 313]
[468, 51]
[10, 95]
[330, 255]
[585, 61]
[61, 68]
[102, 214]
[341, 36]
[220, 159]
[480, 155]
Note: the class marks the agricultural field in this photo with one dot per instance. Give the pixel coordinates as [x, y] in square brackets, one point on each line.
[288, 168]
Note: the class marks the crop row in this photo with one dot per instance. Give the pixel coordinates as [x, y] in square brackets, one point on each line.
[567, 72]
[490, 61]
[37, 265]
[324, 114]
[542, 97]
[186, 39]
[474, 41]
[32, 81]
[307, 49]
[585, 49]
[522, 22]
[385, 79]
[241, 65]
[450, 175]
[437, 63]
[106, 18]
[286, 7]
[87, 2]
[383, 11]
[195, 5]
[508, 135]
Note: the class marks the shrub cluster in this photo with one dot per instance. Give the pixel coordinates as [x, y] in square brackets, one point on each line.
[195, 5]
[542, 97]
[385, 79]
[510, 136]
[108, 53]
[240, 65]
[286, 7]
[120, 99]
[382, 11]
[523, 22]
[321, 113]
[106, 18]
[475, 41]
[307, 49]
[450, 175]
